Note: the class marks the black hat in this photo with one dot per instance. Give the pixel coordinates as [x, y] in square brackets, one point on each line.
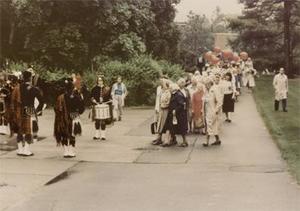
[68, 84]
[26, 75]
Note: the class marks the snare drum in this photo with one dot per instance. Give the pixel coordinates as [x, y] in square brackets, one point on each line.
[101, 112]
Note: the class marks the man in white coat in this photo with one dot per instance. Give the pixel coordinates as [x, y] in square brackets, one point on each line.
[118, 93]
[280, 84]
[213, 110]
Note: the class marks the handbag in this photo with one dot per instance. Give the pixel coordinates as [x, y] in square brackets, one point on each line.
[153, 128]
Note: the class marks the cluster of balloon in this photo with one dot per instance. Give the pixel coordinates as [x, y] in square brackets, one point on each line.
[217, 50]
[235, 57]
[208, 55]
[244, 55]
[227, 54]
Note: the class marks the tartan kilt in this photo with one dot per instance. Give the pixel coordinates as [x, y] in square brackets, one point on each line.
[26, 125]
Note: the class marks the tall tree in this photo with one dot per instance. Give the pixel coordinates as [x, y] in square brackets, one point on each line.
[196, 38]
[266, 23]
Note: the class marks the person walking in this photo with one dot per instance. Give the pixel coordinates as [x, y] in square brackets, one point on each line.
[213, 110]
[280, 84]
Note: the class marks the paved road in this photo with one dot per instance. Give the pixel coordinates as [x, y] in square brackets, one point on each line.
[127, 173]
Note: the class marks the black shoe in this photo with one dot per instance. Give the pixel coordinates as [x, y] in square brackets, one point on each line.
[157, 142]
[216, 143]
[205, 145]
[229, 121]
[103, 139]
[95, 138]
[120, 119]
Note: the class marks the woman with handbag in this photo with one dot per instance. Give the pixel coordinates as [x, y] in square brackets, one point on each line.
[164, 102]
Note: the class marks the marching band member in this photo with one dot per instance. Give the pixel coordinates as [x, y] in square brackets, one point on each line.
[68, 108]
[24, 113]
[213, 110]
[280, 84]
[101, 95]
[4, 105]
[118, 93]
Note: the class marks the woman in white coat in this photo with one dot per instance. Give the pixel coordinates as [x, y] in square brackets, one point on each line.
[280, 84]
[213, 108]
[249, 76]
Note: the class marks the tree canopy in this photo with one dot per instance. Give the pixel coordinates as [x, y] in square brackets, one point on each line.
[262, 29]
[70, 34]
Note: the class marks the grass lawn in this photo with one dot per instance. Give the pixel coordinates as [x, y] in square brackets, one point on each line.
[284, 127]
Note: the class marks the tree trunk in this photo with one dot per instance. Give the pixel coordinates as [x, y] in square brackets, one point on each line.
[287, 38]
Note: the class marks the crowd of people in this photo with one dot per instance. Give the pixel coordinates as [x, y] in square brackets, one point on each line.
[194, 104]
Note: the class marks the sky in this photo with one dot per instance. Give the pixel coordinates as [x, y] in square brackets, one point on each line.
[206, 7]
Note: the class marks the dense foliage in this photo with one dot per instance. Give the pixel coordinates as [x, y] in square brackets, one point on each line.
[140, 74]
[261, 32]
[70, 34]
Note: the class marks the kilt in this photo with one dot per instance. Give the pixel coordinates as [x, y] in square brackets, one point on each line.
[26, 125]
[228, 103]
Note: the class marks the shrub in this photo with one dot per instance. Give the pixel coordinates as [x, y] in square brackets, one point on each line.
[140, 74]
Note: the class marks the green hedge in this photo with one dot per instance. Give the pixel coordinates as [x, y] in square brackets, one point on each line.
[140, 75]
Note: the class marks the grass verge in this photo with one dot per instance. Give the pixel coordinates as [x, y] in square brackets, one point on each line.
[284, 127]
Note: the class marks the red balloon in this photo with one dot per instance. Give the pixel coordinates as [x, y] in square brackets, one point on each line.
[244, 55]
[236, 57]
[217, 49]
[208, 55]
[214, 60]
[227, 54]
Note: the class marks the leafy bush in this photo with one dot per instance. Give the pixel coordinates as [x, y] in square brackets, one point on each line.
[140, 74]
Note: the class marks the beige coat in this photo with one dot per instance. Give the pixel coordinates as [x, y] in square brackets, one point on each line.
[249, 74]
[280, 84]
[214, 109]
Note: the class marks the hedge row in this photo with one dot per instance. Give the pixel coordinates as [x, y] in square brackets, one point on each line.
[140, 75]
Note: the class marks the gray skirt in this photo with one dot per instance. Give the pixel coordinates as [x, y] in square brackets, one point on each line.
[162, 117]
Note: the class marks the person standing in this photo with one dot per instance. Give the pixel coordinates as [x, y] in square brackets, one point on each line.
[68, 108]
[24, 112]
[250, 74]
[280, 84]
[197, 107]
[229, 95]
[178, 112]
[101, 95]
[4, 105]
[213, 110]
[118, 93]
[192, 88]
[163, 113]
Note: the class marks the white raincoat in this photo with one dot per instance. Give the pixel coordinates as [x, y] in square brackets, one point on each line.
[214, 109]
[280, 84]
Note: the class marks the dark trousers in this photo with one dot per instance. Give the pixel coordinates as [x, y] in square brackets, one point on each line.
[100, 124]
[284, 104]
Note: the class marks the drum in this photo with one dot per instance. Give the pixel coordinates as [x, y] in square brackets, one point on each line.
[102, 112]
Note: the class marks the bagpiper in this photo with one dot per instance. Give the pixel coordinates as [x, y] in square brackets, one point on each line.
[24, 112]
[68, 108]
